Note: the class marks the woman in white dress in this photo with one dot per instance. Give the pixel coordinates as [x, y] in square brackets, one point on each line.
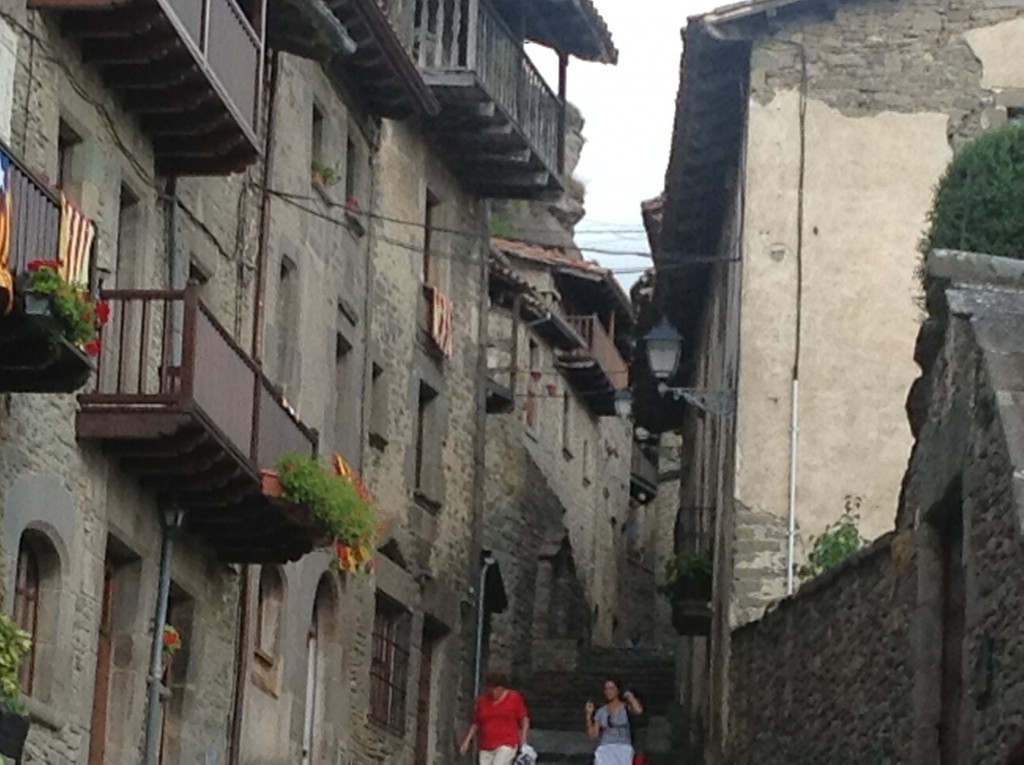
[610, 727]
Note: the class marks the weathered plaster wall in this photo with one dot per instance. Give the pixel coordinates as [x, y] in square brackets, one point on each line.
[891, 90]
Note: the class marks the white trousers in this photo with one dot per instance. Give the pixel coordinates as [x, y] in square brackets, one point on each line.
[503, 755]
[614, 754]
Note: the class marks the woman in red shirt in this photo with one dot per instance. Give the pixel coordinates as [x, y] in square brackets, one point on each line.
[501, 720]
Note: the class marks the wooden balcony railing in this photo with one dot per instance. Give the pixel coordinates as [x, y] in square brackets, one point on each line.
[35, 218]
[471, 36]
[601, 347]
[164, 350]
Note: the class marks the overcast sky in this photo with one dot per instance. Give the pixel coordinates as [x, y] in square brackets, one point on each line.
[628, 111]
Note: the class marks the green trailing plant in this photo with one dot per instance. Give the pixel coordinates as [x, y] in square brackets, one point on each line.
[838, 542]
[14, 646]
[979, 199]
[335, 501]
[685, 572]
[501, 228]
[328, 175]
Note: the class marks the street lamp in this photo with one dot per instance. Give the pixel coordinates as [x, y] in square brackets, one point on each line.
[664, 346]
[624, 403]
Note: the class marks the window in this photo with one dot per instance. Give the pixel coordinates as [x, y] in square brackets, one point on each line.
[389, 667]
[429, 239]
[286, 321]
[344, 428]
[180, 615]
[129, 222]
[317, 137]
[1015, 115]
[427, 444]
[26, 609]
[530, 407]
[378, 408]
[268, 615]
[351, 169]
[566, 424]
[586, 463]
[67, 141]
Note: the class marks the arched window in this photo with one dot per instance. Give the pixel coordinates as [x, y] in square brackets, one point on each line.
[36, 600]
[26, 607]
[268, 615]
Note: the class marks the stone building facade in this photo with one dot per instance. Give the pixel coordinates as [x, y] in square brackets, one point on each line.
[821, 133]
[566, 514]
[317, 262]
[909, 651]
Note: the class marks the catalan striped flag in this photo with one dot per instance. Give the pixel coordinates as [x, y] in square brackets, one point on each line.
[442, 315]
[6, 280]
[76, 235]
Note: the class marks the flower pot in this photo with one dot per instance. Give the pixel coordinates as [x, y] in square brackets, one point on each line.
[270, 484]
[13, 732]
[38, 304]
[691, 617]
[298, 515]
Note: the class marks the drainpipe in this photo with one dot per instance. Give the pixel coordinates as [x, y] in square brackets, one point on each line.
[169, 521]
[794, 425]
[242, 635]
[479, 656]
[175, 271]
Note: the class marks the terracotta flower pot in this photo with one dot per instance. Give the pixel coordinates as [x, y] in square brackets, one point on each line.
[270, 484]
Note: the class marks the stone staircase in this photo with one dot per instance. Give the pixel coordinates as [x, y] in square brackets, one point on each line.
[556, 697]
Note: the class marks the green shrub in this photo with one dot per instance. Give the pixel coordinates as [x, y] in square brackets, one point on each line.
[979, 203]
[838, 542]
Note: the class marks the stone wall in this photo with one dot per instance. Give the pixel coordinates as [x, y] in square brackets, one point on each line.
[910, 651]
[828, 671]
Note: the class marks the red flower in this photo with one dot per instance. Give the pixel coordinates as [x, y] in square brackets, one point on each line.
[93, 347]
[352, 203]
[102, 312]
[37, 265]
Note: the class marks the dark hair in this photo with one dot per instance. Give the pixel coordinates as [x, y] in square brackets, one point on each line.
[496, 680]
[614, 681]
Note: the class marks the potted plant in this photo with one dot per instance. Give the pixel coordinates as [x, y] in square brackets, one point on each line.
[323, 175]
[76, 316]
[688, 580]
[172, 644]
[14, 722]
[341, 509]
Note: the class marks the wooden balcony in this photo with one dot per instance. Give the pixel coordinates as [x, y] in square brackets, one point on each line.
[190, 70]
[34, 356]
[499, 120]
[183, 407]
[596, 371]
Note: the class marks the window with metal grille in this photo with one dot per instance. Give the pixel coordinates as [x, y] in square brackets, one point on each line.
[389, 669]
[26, 609]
